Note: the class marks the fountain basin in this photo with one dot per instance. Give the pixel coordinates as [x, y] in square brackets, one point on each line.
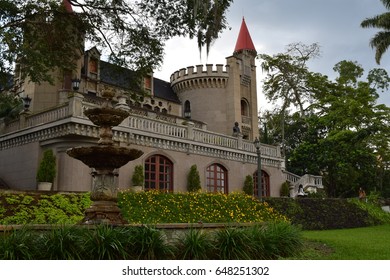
[106, 116]
[104, 157]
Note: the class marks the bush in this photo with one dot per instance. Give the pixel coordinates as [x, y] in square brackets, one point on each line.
[285, 189]
[193, 180]
[194, 244]
[36, 208]
[105, 242]
[317, 214]
[138, 177]
[47, 167]
[248, 185]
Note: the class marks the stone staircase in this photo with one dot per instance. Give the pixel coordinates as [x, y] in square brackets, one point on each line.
[310, 183]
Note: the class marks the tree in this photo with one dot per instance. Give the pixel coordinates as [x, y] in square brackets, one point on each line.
[287, 75]
[45, 35]
[343, 134]
[381, 40]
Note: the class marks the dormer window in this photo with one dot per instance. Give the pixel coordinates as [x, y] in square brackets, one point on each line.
[148, 82]
[93, 68]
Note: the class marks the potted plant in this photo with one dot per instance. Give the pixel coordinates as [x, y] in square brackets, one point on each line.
[138, 179]
[46, 171]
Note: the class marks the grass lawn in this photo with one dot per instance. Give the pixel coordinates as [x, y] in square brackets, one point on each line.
[369, 243]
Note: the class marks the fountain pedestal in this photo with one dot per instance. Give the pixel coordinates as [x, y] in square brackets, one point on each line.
[104, 158]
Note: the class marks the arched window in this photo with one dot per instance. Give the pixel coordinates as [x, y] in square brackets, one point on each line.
[244, 108]
[217, 178]
[158, 173]
[264, 184]
[187, 109]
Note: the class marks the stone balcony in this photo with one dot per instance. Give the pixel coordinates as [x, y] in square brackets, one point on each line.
[142, 127]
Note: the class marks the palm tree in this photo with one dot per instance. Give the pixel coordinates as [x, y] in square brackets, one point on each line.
[381, 40]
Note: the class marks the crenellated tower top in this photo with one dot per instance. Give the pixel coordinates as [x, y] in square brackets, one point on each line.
[195, 77]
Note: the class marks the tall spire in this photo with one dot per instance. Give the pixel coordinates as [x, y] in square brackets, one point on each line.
[67, 5]
[244, 40]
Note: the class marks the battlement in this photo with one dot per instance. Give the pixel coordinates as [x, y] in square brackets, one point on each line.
[200, 77]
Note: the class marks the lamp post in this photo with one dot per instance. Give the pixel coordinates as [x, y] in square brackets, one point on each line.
[75, 84]
[26, 102]
[259, 187]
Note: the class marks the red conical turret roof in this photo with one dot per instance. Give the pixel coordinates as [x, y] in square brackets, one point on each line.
[67, 6]
[244, 40]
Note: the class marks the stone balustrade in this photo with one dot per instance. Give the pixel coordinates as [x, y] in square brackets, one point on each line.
[141, 127]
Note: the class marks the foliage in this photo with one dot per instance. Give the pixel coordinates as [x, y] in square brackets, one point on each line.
[232, 244]
[248, 185]
[64, 242]
[47, 167]
[17, 244]
[104, 242]
[151, 244]
[380, 41]
[279, 240]
[42, 209]
[138, 177]
[130, 33]
[288, 75]
[311, 213]
[155, 207]
[339, 132]
[285, 189]
[193, 180]
[10, 106]
[373, 209]
[195, 244]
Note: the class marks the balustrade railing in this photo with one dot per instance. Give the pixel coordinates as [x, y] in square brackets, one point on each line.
[143, 120]
[48, 116]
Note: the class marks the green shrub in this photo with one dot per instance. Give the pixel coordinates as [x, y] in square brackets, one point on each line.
[61, 243]
[195, 244]
[106, 242]
[316, 214]
[232, 244]
[37, 208]
[285, 189]
[248, 185]
[279, 240]
[149, 243]
[19, 244]
[47, 167]
[193, 180]
[138, 177]
[375, 211]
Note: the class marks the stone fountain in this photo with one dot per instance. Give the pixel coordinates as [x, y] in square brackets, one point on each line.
[104, 159]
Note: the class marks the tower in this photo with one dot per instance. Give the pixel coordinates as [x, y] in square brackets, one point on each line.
[242, 89]
[221, 96]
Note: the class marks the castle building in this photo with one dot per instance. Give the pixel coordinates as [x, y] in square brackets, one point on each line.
[206, 115]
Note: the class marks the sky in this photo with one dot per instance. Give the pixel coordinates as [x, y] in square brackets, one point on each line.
[273, 24]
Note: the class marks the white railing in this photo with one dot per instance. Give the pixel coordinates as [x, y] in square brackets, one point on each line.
[291, 177]
[155, 126]
[48, 116]
[309, 182]
[211, 138]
